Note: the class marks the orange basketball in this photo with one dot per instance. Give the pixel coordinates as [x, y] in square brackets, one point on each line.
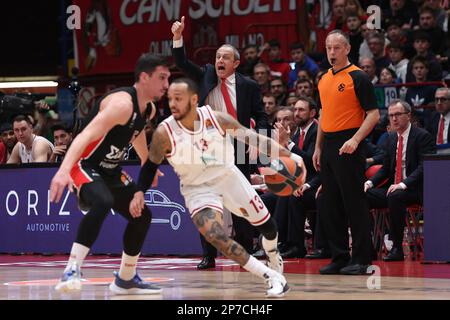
[288, 177]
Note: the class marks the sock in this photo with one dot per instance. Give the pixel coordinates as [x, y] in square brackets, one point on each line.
[77, 254]
[128, 266]
[269, 245]
[257, 268]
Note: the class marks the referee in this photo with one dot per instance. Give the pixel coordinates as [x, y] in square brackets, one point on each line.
[349, 113]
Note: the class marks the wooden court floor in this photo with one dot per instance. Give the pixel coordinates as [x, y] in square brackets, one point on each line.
[33, 277]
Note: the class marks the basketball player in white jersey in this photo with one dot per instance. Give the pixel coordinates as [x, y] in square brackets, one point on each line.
[195, 143]
[30, 148]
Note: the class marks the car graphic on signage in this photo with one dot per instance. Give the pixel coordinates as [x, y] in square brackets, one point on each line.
[155, 198]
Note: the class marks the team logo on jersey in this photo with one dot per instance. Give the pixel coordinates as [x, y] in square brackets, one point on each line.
[341, 87]
[208, 124]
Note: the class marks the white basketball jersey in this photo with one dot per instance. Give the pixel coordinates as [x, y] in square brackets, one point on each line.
[203, 155]
[27, 156]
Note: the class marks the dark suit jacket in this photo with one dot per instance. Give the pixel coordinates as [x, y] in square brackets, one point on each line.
[307, 152]
[420, 142]
[433, 126]
[248, 95]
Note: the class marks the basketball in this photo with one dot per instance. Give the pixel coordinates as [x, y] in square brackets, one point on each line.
[287, 178]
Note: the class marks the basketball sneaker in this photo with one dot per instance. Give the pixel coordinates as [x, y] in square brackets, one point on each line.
[71, 280]
[277, 285]
[133, 286]
[275, 261]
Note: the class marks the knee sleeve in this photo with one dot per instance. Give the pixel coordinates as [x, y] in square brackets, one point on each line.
[268, 229]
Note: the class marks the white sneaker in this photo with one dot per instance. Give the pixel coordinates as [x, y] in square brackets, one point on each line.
[70, 281]
[277, 286]
[275, 261]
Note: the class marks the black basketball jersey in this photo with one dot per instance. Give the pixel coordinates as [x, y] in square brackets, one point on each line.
[109, 150]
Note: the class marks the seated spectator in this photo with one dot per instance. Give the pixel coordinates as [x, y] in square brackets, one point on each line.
[353, 6]
[291, 99]
[62, 136]
[278, 66]
[278, 89]
[405, 11]
[399, 63]
[8, 139]
[422, 49]
[403, 167]
[304, 88]
[420, 96]
[428, 24]
[251, 57]
[30, 147]
[439, 125]
[376, 44]
[388, 76]
[368, 66]
[261, 74]
[270, 106]
[440, 13]
[354, 23]
[302, 62]
[304, 75]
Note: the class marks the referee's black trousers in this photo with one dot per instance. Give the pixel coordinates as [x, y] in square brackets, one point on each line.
[345, 202]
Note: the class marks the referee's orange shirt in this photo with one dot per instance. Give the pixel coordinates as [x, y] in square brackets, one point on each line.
[345, 96]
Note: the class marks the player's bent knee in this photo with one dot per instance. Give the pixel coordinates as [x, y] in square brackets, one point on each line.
[268, 229]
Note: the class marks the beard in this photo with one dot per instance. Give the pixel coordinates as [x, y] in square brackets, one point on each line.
[181, 116]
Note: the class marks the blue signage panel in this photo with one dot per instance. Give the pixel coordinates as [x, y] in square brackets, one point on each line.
[30, 223]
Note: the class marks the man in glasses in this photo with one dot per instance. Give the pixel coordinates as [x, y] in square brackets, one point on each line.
[403, 169]
[439, 125]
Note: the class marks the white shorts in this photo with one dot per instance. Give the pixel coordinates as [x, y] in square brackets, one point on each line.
[232, 191]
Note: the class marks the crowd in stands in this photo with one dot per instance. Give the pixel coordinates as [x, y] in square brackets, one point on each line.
[407, 61]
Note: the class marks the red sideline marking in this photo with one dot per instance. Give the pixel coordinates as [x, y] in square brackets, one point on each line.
[91, 281]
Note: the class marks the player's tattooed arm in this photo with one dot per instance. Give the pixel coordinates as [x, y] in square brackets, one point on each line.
[160, 145]
[264, 144]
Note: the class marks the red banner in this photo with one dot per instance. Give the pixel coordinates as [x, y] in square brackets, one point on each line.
[115, 33]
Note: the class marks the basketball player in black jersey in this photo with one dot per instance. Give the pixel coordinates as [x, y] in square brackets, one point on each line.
[91, 165]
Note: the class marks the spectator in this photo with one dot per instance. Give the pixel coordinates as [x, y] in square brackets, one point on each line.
[354, 23]
[304, 75]
[62, 136]
[440, 12]
[304, 88]
[270, 107]
[376, 42]
[368, 66]
[439, 125]
[387, 76]
[9, 140]
[251, 57]
[261, 74]
[402, 10]
[422, 48]
[399, 64]
[291, 99]
[30, 147]
[403, 167]
[420, 96]
[302, 62]
[353, 6]
[278, 67]
[436, 36]
[278, 89]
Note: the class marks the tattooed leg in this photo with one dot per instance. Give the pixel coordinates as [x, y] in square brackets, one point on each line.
[209, 223]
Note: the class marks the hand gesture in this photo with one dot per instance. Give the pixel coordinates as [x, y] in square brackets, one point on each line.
[177, 29]
[137, 204]
[348, 147]
[58, 184]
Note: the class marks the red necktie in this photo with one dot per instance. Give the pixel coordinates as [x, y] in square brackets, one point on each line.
[226, 97]
[440, 137]
[301, 139]
[398, 166]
